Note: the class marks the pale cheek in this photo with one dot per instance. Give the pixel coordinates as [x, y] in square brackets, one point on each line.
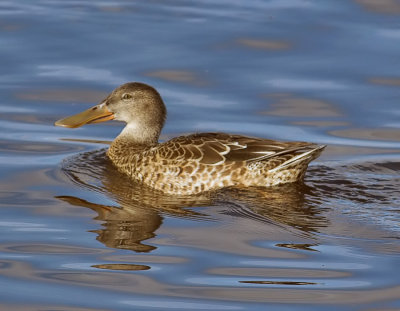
[122, 117]
[117, 116]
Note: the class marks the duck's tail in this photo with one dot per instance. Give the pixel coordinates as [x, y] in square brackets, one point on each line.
[303, 158]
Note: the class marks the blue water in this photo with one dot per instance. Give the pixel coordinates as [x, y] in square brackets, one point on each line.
[76, 235]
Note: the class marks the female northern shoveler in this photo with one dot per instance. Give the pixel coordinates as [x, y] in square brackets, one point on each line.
[194, 163]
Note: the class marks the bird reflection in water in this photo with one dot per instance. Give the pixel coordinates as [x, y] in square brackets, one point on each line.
[139, 210]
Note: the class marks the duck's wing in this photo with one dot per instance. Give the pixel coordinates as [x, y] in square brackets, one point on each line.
[217, 148]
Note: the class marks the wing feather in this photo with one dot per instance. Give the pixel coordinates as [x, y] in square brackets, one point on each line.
[217, 148]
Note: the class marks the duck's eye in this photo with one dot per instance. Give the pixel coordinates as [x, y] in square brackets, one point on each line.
[126, 96]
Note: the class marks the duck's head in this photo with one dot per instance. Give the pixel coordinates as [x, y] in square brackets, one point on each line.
[139, 105]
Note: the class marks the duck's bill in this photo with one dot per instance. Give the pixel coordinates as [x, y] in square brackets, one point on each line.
[96, 114]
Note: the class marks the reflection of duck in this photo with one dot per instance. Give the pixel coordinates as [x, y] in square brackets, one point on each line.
[123, 228]
[194, 163]
[139, 210]
[288, 205]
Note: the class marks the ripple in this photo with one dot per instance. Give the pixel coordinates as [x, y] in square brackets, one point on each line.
[317, 283]
[19, 198]
[289, 106]
[321, 123]
[381, 134]
[177, 305]
[89, 278]
[381, 6]
[288, 283]
[80, 73]
[48, 249]
[278, 272]
[43, 306]
[358, 189]
[28, 227]
[62, 95]
[122, 267]
[268, 45]
[38, 148]
[305, 84]
[385, 81]
[181, 76]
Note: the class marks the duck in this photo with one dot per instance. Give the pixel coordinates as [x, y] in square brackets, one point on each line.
[194, 163]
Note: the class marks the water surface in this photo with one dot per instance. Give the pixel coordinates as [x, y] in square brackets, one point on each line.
[77, 235]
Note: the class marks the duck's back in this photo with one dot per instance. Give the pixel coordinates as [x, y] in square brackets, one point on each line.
[208, 161]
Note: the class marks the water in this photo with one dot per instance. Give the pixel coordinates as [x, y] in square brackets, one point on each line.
[77, 235]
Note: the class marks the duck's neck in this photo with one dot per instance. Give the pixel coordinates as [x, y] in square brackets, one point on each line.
[133, 139]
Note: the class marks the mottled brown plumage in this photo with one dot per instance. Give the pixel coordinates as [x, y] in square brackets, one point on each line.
[194, 163]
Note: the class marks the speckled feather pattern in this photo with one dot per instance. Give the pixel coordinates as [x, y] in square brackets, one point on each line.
[209, 161]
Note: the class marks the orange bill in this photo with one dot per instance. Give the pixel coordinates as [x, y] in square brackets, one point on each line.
[96, 114]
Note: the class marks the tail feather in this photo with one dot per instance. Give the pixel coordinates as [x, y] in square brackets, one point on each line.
[304, 157]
